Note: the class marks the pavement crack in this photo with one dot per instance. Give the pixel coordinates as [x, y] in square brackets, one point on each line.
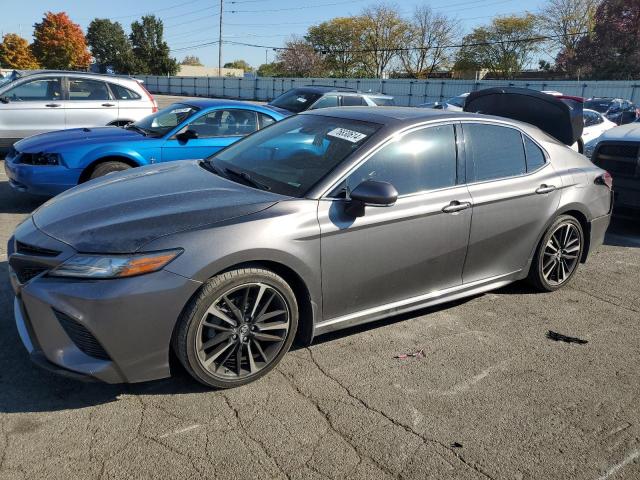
[606, 300]
[258, 442]
[472, 465]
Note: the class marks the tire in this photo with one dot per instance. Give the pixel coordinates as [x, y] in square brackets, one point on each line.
[105, 168]
[231, 332]
[558, 255]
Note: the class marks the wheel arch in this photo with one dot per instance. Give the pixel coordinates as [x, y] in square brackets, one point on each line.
[86, 173]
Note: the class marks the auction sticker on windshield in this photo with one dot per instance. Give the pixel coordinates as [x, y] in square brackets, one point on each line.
[346, 134]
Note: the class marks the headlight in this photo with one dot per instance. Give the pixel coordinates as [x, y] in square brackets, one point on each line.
[114, 266]
[41, 158]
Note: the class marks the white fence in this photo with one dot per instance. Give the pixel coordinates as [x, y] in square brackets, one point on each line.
[405, 92]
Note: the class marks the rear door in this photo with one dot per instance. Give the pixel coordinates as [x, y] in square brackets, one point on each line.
[89, 103]
[33, 106]
[215, 129]
[514, 190]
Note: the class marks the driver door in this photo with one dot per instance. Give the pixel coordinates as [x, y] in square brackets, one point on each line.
[215, 130]
[34, 106]
[393, 254]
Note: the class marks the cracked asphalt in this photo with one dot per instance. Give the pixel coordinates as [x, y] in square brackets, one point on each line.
[491, 398]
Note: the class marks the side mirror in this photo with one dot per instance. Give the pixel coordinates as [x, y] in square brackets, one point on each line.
[371, 193]
[187, 135]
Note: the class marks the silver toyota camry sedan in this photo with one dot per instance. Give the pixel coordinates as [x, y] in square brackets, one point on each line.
[319, 222]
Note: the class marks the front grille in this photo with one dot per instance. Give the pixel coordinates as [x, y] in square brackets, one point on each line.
[25, 274]
[618, 159]
[82, 337]
[27, 249]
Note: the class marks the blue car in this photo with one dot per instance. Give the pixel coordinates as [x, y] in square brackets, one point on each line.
[50, 163]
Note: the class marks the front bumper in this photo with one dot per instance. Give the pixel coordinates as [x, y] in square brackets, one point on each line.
[48, 180]
[130, 320]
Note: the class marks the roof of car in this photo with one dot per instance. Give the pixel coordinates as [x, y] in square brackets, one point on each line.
[218, 102]
[389, 115]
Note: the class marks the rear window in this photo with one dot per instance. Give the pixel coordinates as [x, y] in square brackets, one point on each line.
[598, 105]
[296, 100]
[383, 102]
[122, 93]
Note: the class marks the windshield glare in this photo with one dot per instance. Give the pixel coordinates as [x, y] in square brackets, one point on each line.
[296, 100]
[293, 155]
[165, 120]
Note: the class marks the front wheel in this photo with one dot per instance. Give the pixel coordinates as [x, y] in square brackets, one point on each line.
[558, 254]
[105, 168]
[237, 328]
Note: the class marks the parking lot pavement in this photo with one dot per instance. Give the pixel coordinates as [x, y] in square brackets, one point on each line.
[492, 397]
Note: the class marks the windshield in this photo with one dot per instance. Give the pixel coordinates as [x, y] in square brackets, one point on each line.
[456, 101]
[296, 100]
[293, 155]
[165, 120]
[600, 106]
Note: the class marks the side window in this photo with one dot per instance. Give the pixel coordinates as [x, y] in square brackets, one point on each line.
[325, 102]
[36, 91]
[418, 161]
[83, 89]
[265, 120]
[493, 152]
[591, 119]
[225, 123]
[122, 93]
[352, 101]
[535, 156]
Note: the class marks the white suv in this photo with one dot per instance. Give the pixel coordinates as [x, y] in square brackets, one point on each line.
[42, 101]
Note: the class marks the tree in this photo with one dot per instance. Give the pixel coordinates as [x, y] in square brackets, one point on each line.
[241, 64]
[429, 33]
[59, 43]
[150, 49]
[504, 47]
[383, 35]
[15, 52]
[299, 59]
[110, 46]
[612, 51]
[191, 60]
[566, 21]
[338, 40]
[272, 69]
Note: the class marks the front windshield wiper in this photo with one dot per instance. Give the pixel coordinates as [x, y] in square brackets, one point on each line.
[245, 178]
[133, 126]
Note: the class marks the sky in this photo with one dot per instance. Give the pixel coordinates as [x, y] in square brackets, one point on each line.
[190, 23]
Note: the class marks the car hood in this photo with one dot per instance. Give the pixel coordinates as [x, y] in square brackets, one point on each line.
[63, 139]
[122, 212]
[629, 132]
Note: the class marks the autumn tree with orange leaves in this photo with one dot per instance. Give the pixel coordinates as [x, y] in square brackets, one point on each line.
[59, 43]
[15, 52]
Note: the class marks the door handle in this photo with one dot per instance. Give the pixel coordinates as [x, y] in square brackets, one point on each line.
[108, 104]
[52, 105]
[456, 206]
[542, 189]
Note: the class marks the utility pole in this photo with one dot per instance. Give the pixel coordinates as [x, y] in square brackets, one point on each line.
[220, 42]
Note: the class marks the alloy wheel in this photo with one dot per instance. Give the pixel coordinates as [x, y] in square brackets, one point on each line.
[242, 331]
[561, 254]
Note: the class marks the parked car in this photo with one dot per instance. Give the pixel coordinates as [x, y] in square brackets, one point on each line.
[227, 260]
[42, 101]
[50, 163]
[617, 110]
[595, 124]
[454, 104]
[618, 150]
[313, 97]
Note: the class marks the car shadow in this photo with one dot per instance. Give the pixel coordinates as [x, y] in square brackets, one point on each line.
[17, 202]
[623, 232]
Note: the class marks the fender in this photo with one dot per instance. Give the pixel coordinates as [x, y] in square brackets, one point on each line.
[99, 153]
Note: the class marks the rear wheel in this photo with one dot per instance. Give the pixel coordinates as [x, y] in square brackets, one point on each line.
[105, 168]
[558, 255]
[237, 328]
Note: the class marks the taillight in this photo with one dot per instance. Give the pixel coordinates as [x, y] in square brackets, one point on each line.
[605, 179]
[153, 100]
